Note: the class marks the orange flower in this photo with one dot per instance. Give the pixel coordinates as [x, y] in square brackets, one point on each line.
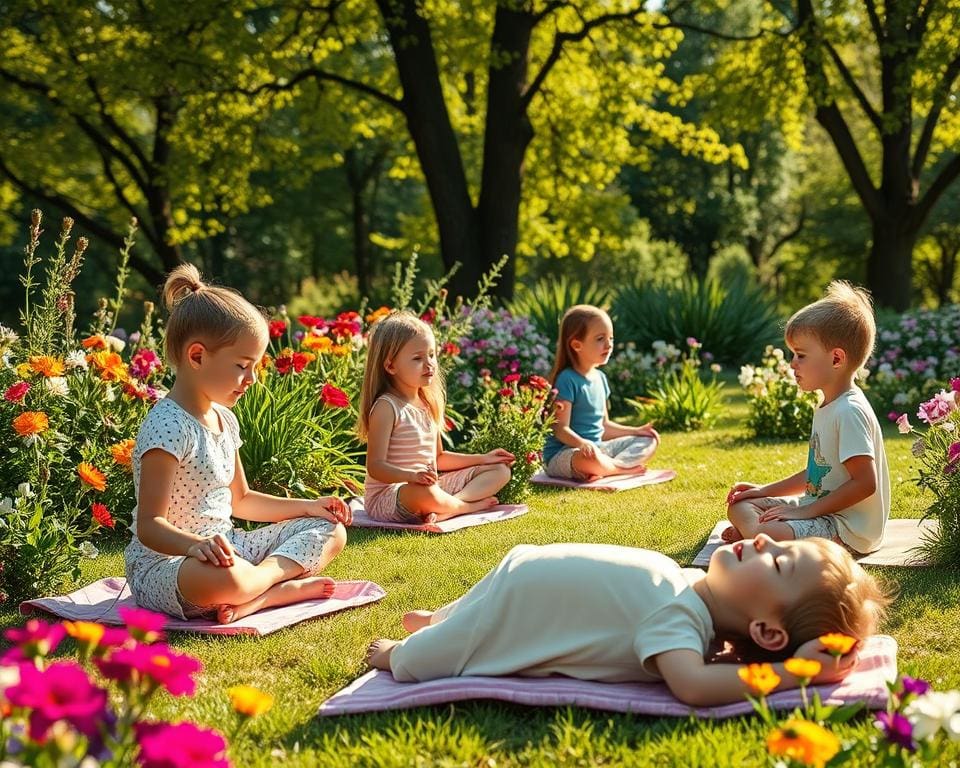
[47, 365]
[110, 365]
[319, 344]
[838, 644]
[805, 669]
[248, 701]
[92, 476]
[803, 741]
[760, 678]
[94, 342]
[377, 315]
[31, 423]
[123, 452]
[341, 350]
[84, 631]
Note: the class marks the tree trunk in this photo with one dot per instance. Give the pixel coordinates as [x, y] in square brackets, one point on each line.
[890, 263]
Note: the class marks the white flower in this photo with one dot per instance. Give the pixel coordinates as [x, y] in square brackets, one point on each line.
[88, 550]
[885, 368]
[778, 354]
[24, 490]
[746, 375]
[115, 344]
[109, 394]
[6, 505]
[76, 359]
[948, 426]
[933, 711]
[715, 367]
[56, 385]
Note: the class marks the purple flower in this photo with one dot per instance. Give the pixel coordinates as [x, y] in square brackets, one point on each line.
[894, 416]
[184, 745]
[914, 686]
[897, 729]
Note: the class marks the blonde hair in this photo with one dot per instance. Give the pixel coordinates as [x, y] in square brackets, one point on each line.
[573, 327]
[843, 319]
[385, 342]
[211, 314]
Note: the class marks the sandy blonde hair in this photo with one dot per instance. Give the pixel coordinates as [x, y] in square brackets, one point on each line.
[573, 327]
[384, 343]
[210, 314]
[842, 319]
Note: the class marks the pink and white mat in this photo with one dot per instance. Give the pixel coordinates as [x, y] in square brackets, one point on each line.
[377, 691]
[492, 515]
[610, 484]
[100, 600]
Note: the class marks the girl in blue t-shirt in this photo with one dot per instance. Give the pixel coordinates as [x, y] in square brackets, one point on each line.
[585, 444]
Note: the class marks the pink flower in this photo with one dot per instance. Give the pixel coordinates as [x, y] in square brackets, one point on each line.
[692, 342]
[34, 639]
[903, 424]
[17, 392]
[62, 691]
[145, 626]
[893, 416]
[955, 385]
[937, 408]
[511, 377]
[184, 745]
[144, 362]
[953, 453]
[153, 665]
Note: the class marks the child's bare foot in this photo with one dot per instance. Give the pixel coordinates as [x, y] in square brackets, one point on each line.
[284, 593]
[414, 620]
[430, 517]
[378, 654]
[730, 535]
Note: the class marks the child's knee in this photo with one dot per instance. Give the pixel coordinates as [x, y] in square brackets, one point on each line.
[501, 473]
[337, 540]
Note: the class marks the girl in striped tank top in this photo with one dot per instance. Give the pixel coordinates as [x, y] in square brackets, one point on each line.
[401, 413]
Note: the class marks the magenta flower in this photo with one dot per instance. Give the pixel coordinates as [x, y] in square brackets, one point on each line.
[914, 686]
[144, 362]
[17, 392]
[897, 729]
[937, 408]
[510, 378]
[62, 691]
[145, 626]
[893, 416]
[34, 639]
[151, 665]
[955, 385]
[184, 745]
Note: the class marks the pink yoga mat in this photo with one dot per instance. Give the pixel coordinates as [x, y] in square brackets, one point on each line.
[377, 691]
[618, 483]
[492, 515]
[100, 600]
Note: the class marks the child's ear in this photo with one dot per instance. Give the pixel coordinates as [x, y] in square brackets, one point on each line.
[576, 345]
[768, 635]
[388, 366]
[195, 353]
[838, 357]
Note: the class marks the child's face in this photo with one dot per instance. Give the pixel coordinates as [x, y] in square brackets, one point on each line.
[761, 576]
[224, 375]
[415, 365]
[597, 343]
[814, 366]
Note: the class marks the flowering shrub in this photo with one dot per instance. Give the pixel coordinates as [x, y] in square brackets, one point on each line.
[71, 405]
[915, 355]
[778, 407]
[937, 452]
[681, 399]
[57, 713]
[515, 414]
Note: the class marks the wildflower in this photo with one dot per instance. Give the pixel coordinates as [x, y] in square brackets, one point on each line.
[8, 338]
[248, 701]
[277, 328]
[505, 392]
[532, 457]
[903, 424]
[88, 550]
[184, 745]
[803, 741]
[115, 343]
[510, 378]
[152, 665]
[377, 315]
[110, 365]
[24, 490]
[144, 362]
[17, 392]
[760, 678]
[145, 626]
[913, 686]
[937, 408]
[538, 382]
[693, 343]
[804, 669]
[56, 386]
[715, 368]
[92, 476]
[122, 452]
[309, 321]
[36, 638]
[136, 390]
[31, 423]
[87, 632]
[102, 515]
[62, 691]
[341, 350]
[334, 396]
[450, 348]
[897, 729]
[76, 360]
[935, 711]
[746, 375]
[46, 365]
[94, 342]
[837, 644]
[318, 344]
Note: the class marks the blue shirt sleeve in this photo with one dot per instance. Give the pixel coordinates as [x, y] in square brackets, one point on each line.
[566, 386]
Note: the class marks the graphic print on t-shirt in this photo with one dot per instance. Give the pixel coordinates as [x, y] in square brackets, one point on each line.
[817, 468]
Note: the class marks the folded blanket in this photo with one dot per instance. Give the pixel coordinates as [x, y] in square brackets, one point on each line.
[377, 691]
[492, 515]
[616, 483]
[900, 539]
[100, 600]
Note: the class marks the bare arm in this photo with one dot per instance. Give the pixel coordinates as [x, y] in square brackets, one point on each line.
[561, 426]
[378, 440]
[861, 485]
[157, 471]
[450, 460]
[789, 486]
[612, 430]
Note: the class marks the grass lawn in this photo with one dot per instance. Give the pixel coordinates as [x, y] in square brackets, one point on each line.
[304, 665]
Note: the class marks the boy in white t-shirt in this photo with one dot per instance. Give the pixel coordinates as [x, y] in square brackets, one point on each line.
[844, 492]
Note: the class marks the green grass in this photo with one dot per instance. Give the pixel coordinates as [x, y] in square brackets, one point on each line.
[304, 665]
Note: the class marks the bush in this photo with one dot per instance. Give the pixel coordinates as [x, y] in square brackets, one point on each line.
[778, 407]
[735, 323]
[545, 302]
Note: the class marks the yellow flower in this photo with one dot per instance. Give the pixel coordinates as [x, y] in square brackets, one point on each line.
[248, 701]
[320, 344]
[84, 631]
[31, 423]
[805, 669]
[47, 365]
[803, 741]
[760, 678]
[24, 370]
[341, 350]
[123, 452]
[92, 476]
[837, 644]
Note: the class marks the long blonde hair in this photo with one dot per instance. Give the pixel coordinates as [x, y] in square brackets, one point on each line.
[385, 342]
[211, 314]
[573, 327]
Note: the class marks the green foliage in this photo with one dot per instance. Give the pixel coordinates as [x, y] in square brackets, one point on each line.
[734, 322]
[778, 407]
[682, 400]
[545, 302]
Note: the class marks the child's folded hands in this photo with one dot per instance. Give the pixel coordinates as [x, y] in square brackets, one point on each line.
[331, 508]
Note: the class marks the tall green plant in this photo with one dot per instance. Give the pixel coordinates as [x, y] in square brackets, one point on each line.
[545, 302]
[682, 400]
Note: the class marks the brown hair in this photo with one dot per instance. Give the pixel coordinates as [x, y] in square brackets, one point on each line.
[211, 314]
[386, 339]
[573, 327]
[842, 319]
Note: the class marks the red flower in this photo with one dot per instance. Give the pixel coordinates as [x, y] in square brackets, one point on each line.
[17, 392]
[101, 514]
[429, 316]
[348, 317]
[450, 348]
[277, 328]
[334, 397]
[309, 321]
[511, 377]
[448, 424]
[538, 382]
[532, 456]
[505, 392]
[344, 329]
